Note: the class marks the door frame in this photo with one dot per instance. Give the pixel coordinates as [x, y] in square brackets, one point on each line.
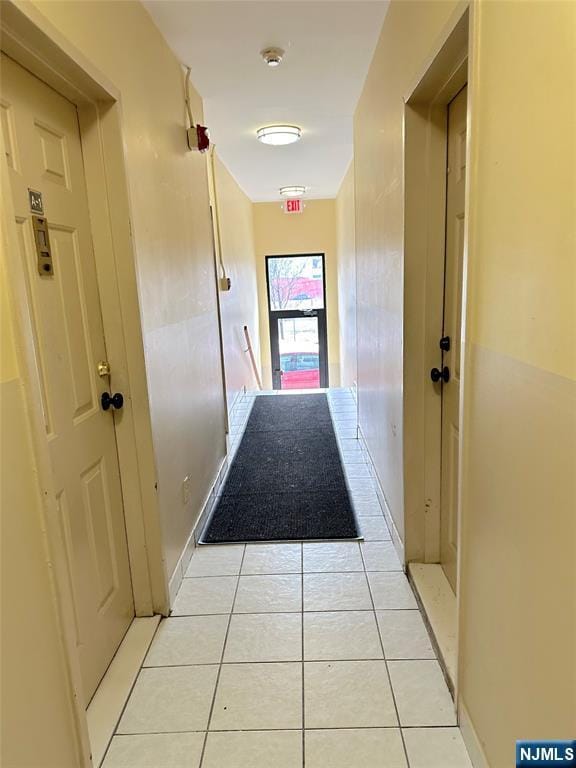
[275, 314]
[426, 102]
[425, 157]
[30, 40]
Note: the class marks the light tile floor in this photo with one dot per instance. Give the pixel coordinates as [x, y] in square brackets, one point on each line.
[285, 655]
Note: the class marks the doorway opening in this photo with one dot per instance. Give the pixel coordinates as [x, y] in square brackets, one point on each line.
[66, 317]
[95, 471]
[436, 149]
[296, 287]
[449, 343]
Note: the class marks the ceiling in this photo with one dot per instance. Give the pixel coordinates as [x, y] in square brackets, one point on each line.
[328, 47]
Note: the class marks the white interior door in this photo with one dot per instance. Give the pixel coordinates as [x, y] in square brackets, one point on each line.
[44, 154]
[456, 183]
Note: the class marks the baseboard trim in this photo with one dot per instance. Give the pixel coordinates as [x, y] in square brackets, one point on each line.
[107, 705]
[396, 538]
[471, 740]
[195, 537]
[438, 605]
[183, 561]
[236, 399]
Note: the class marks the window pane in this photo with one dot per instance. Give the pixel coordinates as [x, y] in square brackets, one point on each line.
[307, 362]
[299, 359]
[296, 282]
[288, 362]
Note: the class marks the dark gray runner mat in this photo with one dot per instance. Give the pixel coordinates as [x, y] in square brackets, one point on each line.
[286, 481]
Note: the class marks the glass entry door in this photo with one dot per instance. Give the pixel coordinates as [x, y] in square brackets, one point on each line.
[297, 313]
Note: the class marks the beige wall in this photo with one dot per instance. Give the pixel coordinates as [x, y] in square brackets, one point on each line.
[523, 226]
[408, 36]
[346, 256]
[280, 234]
[517, 675]
[172, 238]
[170, 225]
[239, 306]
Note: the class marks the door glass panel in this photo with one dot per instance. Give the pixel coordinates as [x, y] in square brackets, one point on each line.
[299, 352]
[295, 282]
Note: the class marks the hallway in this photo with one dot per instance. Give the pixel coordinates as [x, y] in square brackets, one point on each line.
[291, 654]
[206, 202]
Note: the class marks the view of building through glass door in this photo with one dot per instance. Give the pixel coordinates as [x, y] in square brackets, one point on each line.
[297, 314]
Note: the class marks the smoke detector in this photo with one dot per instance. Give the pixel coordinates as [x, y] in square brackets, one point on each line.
[272, 56]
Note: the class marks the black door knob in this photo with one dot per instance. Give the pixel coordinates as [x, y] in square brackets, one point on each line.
[445, 343]
[436, 374]
[115, 401]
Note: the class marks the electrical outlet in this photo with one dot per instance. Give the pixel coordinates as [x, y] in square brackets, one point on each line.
[186, 489]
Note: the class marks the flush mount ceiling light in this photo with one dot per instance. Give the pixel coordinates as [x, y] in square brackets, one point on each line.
[278, 135]
[272, 56]
[292, 191]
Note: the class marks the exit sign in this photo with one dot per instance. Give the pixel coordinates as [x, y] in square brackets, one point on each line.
[293, 206]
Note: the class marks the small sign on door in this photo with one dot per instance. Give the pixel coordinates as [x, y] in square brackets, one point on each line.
[36, 204]
[293, 205]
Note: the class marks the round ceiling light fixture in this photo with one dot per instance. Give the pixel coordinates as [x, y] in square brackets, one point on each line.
[292, 191]
[272, 56]
[277, 135]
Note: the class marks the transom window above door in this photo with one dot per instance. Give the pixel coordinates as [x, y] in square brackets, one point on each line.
[295, 282]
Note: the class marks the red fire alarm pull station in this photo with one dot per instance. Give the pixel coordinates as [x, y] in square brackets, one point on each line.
[293, 206]
[198, 138]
